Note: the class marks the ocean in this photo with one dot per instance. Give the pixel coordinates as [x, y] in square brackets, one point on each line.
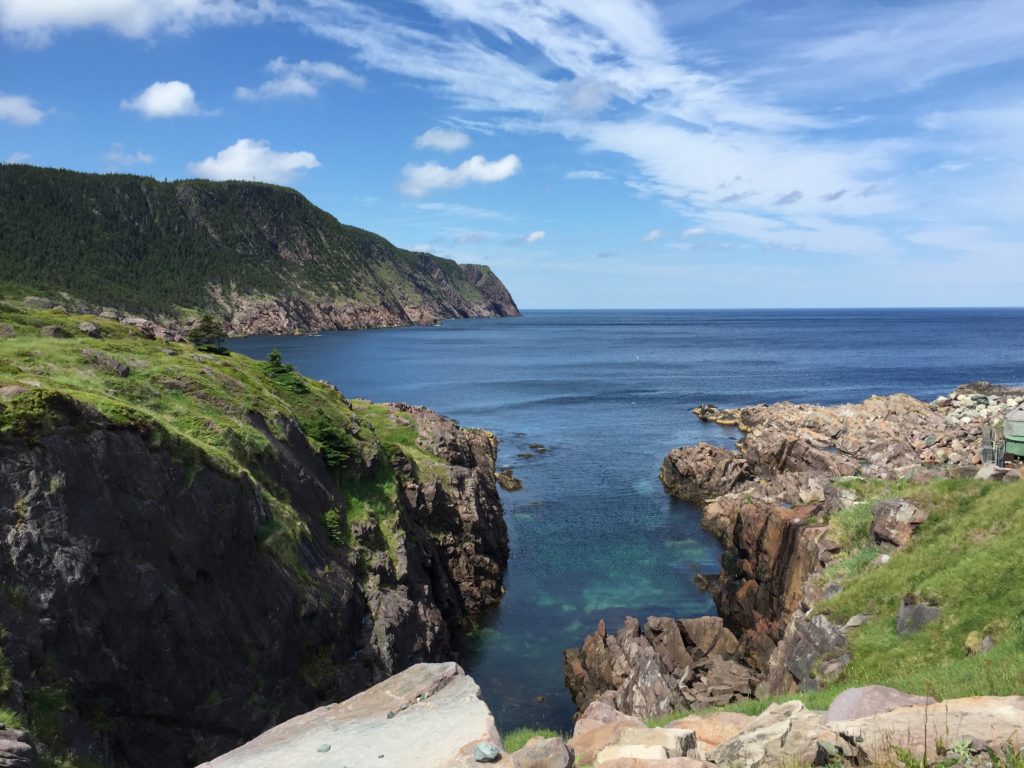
[586, 404]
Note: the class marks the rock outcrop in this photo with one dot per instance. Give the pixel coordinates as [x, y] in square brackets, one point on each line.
[153, 597]
[429, 716]
[873, 726]
[769, 502]
[659, 668]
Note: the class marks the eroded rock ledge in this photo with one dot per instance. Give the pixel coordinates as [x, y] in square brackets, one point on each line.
[768, 502]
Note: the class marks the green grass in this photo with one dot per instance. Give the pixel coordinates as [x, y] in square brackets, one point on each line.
[965, 558]
[515, 740]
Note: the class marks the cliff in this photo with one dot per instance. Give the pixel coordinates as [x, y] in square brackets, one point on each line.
[259, 256]
[197, 546]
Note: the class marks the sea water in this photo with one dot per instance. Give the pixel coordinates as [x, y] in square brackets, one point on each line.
[586, 404]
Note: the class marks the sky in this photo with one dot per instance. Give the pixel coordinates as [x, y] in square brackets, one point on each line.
[600, 153]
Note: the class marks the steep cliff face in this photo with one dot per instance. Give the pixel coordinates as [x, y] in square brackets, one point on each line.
[186, 564]
[261, 257]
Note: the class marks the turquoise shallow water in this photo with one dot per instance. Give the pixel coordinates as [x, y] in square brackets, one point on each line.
[608, 394]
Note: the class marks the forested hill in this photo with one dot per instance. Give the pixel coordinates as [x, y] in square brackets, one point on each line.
[261, 257]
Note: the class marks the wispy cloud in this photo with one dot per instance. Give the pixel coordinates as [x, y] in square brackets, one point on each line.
[442, 139]
[253, 160]
[651, 236]
[18, 157]
[587, 175]
[461, 211]
[298, 79]
[535, 237]
[419, 180]
[118, 157]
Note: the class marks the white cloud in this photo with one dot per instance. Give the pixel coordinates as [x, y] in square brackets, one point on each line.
[19, 110]
[170, 99]
[34, 21]
[443, 139]
[952, 167]
[420, 248]
[117, 156]
[654, 234]
[301, 78]
[587, 175]
[535, 237]
[695, 231]
[418, 180]
[16, 158]
[249, 159]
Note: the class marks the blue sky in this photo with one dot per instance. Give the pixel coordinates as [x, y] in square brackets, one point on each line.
[610, 153]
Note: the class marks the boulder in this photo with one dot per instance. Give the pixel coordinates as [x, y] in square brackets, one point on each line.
[711, 730]
[54, 332]
[989, 722]
[104, 360]
[914, 616]
[854, 703]
[508, 481]
[599, 726]
[90, 329]
[543, 753]
[783, 735]
[894, 521]
[430, 716]
[6, 330]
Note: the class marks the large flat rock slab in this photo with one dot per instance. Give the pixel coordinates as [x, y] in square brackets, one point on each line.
[429, 716]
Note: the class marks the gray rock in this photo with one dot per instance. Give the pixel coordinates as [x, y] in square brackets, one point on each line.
[90, 329]
[54, 331]
[106, 361]
[6, 330]
[441, 723]
[914, 616]
[855, 703]
[16, 749]
[486, 753]
[857, 621]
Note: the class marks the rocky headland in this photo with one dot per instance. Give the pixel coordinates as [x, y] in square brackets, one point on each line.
[770, 502]
[259, 257]
[197, 546]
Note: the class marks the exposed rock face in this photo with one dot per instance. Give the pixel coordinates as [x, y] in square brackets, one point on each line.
[16, 749]
[769, 500]
[429, 716]
[662, 667]
[140, 588]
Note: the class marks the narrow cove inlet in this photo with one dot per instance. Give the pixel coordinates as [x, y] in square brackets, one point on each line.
[586, 405]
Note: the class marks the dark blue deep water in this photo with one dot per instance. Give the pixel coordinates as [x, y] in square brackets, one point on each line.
[608, 393]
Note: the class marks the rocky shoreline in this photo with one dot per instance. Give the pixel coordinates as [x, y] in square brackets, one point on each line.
[769, 502]
[431, 716]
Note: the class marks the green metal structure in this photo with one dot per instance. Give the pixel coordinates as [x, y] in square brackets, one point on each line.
[1013, 432]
